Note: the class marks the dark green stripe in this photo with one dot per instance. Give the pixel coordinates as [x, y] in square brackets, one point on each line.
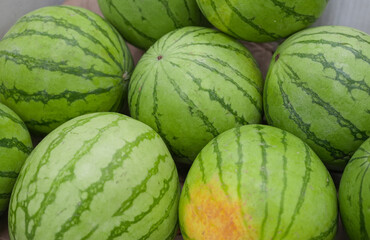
[141, 187]
[216, 45]
[227, 65]
[290, 12]
[136, 91]
[66, 174]
[45, 123]
[249, 21]
[264, 175]
[212, 93]
[221, 20]
[8, 174]
[23, 205]
[43, 96]
[96, 26]
[219, 159]
[213, 96]
[357, 134]
[124, 226]
[239, 166]
[172, 204]
[190, 19]
[340, 75]
[15, 143]
[130, 25]
[4, 114]
[357, 37]
[107, 174]
[357, 53]
[186, 191]
[5, 195]
[305, 127]
[170, 14]
[362, 211]
[173, 43]
[201, 166]
[331, 230]
[301, 198]
[192, 107]
[60, 22]
[52, 66]
[69, 41]
[90, 233]
[172, 234]
[285, 183]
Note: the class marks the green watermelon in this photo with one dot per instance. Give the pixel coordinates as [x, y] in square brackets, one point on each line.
[261, 21]
[258, 182]
[61, 62]
[143, 22]
[94, 178]
[15, 146]
[192, 85]
[318, 88]
[354, 194]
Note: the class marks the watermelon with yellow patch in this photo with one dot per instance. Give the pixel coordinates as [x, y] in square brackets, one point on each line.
[258, 182]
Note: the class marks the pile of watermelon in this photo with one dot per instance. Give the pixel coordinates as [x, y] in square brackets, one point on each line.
[114, 137]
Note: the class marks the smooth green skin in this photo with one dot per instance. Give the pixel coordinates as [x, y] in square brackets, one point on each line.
[261, 21]
[263, 171]
[76, 65]
[92, 174]
[15, 146]
[143, 22]
[333, 62]
[354, 194]
[193, 84]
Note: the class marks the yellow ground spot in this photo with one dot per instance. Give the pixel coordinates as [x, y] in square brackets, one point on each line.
[211, 215]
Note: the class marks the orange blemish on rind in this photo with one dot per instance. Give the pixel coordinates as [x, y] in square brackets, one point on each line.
[211, 215]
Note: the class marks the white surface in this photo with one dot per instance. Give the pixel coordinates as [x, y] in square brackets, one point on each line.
[11, 10]
[351, 13]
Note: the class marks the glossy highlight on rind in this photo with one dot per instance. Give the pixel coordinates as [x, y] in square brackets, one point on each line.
[82, 182]
[143, 22]
[61, 62]
[318, 88]
[193, 84]
[354, 194]
[261, 21]
[15, 146]
[259, 183]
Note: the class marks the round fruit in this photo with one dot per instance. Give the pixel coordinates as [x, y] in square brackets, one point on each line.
[194, 84]
[98, 176]
[354, 194]
[261, 21]
[258, 182]
[61, 62]
[15, 146]
[318, 88]
[143, 22]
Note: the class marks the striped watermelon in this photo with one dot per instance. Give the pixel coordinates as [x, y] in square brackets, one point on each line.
[354, 194]
[143, 22]
[15, 146]
[258, 182]
[318, 88]
[61, 62]
[261, 21]
[98, 176]
[192, 85]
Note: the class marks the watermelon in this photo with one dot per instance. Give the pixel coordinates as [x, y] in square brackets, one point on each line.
[354, 194]
[192, 85]
[318, 88]
[94, 178]
[60, 62]
[261, 21]
[143, 22]
[258, 182]
[15, 146]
